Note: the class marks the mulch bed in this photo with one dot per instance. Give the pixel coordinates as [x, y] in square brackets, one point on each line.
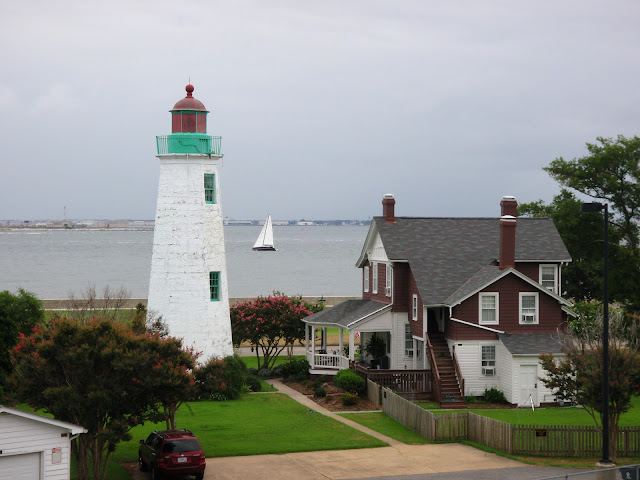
[332, 401]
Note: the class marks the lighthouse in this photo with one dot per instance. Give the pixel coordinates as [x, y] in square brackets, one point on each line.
[188, 283]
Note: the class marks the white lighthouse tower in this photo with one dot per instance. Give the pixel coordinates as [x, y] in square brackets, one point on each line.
[188, 284]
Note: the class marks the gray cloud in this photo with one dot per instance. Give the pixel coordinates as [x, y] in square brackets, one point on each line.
[323, 106]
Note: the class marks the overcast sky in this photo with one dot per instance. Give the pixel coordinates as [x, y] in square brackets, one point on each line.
[323, 106]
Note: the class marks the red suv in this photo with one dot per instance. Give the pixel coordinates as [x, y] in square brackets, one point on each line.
[171, 452]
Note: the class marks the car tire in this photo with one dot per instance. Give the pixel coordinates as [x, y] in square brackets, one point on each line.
[199, 476]
[141, 465]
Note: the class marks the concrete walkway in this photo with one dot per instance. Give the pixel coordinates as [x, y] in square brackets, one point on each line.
[307, 402]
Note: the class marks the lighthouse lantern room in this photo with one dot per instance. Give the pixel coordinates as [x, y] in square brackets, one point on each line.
[188, 282]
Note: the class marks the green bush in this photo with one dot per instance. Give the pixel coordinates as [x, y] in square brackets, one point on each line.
[319, 381]
[470, 399]
[253, 383]
[349, 398]
[493, 395]
[220, 379]
[320, 392]
[297, 369]
[349, 381]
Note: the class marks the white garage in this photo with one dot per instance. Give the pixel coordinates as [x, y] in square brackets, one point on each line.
[33, 447]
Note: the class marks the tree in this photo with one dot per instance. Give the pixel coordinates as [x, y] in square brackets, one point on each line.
[269, 324]
[611, 173]
[89, 306]
[578, 376]
[100, 375]
[18, 313]
[583, 235]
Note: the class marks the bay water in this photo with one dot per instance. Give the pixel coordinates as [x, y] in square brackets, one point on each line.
[310, 260]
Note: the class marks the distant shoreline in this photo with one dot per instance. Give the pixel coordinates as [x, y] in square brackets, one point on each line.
[149, 228]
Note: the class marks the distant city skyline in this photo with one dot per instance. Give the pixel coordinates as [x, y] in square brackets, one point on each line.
[323, 107]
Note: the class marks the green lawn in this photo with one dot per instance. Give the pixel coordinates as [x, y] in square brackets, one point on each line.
[253, 425]
[384, 424]
[551, 415]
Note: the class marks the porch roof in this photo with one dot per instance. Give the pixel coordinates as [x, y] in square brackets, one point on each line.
[347, 314]
[532, 343]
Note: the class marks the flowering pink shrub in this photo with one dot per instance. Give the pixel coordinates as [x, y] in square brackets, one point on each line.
[269, 324]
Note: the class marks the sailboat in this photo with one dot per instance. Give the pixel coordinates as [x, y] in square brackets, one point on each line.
[265, 239]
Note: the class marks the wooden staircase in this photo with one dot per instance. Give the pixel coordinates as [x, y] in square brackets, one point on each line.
[450, 394]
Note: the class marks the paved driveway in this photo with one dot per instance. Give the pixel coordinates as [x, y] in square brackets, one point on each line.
[349, 464]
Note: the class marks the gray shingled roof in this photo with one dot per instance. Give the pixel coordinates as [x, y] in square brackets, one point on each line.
[532, 343]
[445, 253]
[345, 313]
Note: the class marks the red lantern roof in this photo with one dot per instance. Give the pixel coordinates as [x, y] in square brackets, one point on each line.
[189, 102]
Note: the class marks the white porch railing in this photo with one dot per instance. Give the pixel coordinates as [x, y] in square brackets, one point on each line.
[327, 360]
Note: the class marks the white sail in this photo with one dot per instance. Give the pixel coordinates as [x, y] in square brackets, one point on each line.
[265, 239]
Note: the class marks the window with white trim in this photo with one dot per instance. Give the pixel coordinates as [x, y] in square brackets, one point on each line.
[414, 308]
[488, 307]
[488, 359]
[366, 279]
[408, 341]
[528, 308]
[374, 277]
[387, 288]
[549, 277]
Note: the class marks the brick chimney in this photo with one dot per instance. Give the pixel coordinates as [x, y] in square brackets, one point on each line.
[388, 207]
[508, 223]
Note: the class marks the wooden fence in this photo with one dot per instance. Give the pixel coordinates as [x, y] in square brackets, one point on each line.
[540, 440]
[374, 393]
[446, 427]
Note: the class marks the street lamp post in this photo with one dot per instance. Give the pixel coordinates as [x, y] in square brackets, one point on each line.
[597, 207]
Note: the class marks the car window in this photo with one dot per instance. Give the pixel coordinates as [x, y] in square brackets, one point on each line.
[149, 439]
[178, 446]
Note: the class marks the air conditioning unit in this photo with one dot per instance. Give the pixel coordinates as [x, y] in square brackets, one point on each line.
[387, 291]
[489, 371]
[529, 318]
[409, 353]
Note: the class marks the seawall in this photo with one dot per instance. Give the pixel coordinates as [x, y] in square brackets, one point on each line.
[66, 304]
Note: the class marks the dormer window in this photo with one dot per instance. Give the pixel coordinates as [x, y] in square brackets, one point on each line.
[549, 277]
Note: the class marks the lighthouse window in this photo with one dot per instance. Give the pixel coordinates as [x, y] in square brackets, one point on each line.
[209, 188]
[214, 286]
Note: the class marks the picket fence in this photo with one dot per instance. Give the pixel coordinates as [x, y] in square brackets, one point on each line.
[541, 440]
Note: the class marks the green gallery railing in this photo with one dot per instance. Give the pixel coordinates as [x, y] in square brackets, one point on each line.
[196, 143]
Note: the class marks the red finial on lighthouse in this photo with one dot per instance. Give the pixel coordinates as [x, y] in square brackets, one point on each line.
[189, 89]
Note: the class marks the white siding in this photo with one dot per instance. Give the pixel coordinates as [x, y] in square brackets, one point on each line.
[20, 435]
[377, 252]
[504, 365]
[399, 361]
[470, 360]
[544, 394]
